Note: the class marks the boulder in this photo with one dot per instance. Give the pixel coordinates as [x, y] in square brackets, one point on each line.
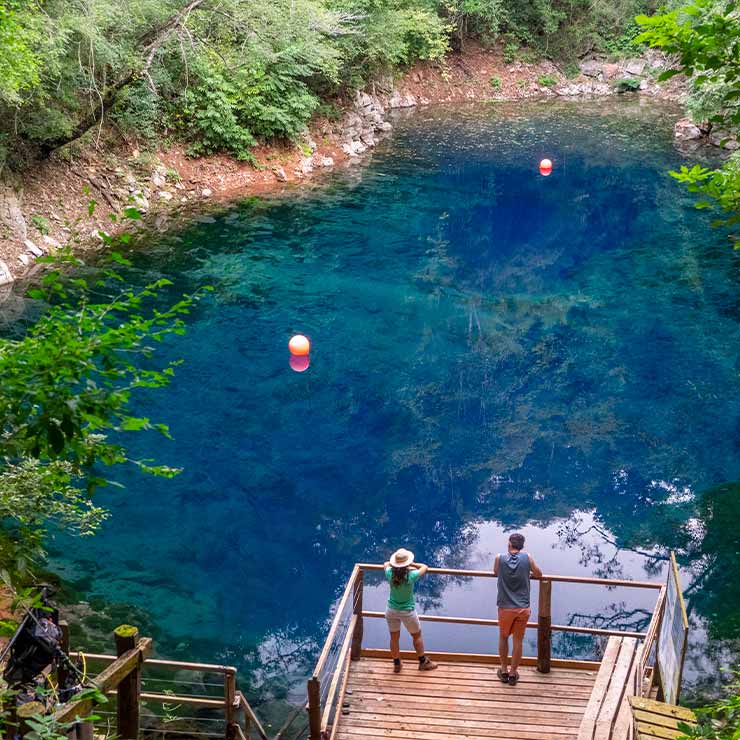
[206, 192]
[724, 139]
[364, 100]
[610, 71]
[51, 242]
[306, 167]
[11, 216]
[592, 68]
[397, 100]
[157, 180]
[24, 259]
[165, 195]
[327, 162]
[385, 126]
[279, 173]
[353, 148]
[6, 276]
[635, 67]
[32, 248]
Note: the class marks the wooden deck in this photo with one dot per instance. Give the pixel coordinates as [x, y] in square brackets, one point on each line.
[461, 700]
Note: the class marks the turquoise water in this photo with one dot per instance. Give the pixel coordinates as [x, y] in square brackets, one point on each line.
[492, 350]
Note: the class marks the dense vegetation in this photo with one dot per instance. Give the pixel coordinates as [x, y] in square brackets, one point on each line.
[65, 401]
[705, 36]
[220, 74]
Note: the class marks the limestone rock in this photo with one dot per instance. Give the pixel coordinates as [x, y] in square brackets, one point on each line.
[51, 242]
[11, 216]
[386, 126]
[635, 67]
[724, 139]
[24, 259]
[140, 200]
[610, 71]
[591, 68]
[306, 166]
[165, 195]
[279, 173]
[32, 248]
[397, 100]
[364, 100]
[157, 180]
[327, 162]
[206, 192]
[6, 276]
[353, 148]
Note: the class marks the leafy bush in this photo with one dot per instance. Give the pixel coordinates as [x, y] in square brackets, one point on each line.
[40, 223]
[511, 48]
[208, 119]
[547, 81]
[628, 84]
[138, 112]
[718, 721]
[495, 82]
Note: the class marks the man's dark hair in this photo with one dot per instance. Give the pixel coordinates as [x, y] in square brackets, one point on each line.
[517, 541]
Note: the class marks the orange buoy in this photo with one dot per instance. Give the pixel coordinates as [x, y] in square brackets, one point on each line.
[299, 345]
[299, 363]
[545, 167]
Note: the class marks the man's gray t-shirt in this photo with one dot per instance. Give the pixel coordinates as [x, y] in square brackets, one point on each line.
[513, 581]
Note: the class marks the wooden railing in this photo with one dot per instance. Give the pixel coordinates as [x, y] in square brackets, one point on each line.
[344, 640]
[122, 676]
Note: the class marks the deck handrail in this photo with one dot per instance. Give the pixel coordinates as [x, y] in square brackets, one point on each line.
[608, 582]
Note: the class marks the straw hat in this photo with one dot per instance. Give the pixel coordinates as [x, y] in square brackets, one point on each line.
[401, 558]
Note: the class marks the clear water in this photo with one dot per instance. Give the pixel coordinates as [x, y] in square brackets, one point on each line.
[492, 350]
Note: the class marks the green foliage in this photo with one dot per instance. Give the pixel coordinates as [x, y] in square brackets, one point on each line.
[40, 223]
[547, 80]
[68, 384]
[495, 82]
[720, 188]
[718, 721]
[511, 49]
[627, 84]
[704, 38]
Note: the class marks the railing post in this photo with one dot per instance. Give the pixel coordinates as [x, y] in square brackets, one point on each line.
[127, 638]
[357, 609]
[229, 703]
[544, 627]
[314, 708]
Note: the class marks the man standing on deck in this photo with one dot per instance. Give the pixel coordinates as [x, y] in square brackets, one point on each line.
[513, 570]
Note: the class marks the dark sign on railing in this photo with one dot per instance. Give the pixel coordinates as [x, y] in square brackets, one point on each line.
[673, 637]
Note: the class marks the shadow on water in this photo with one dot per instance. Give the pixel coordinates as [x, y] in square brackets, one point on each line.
[491, 350]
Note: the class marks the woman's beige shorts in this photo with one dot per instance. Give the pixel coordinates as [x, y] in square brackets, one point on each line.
[395, 617]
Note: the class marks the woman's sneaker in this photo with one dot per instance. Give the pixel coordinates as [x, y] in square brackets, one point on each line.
[427, 665]
[397, 667]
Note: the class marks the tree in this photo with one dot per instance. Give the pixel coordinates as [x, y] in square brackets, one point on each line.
[706, 38]
[66, 393]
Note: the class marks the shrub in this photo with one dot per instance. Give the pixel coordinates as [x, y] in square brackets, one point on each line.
[510, 51]
[628, 84]
[547, 81]
[40, 223]
[495, 82]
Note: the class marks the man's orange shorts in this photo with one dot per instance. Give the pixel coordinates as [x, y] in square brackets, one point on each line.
[513, 622]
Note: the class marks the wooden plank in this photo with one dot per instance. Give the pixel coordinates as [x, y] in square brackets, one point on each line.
[351, 733]
[335, 622]
[110, 677]
[609, 582]
[482, 726]
[342, 665]
[659, 720]
[244, 704]
[503, 703]
[657, 731]
[129, 687]
[603, 678]
[175, 665]
[565, 676]
[661, 708]
[194, 701]
[485, 714]
[453, 727]
[414, 685]
[490, 658]
[616, 692]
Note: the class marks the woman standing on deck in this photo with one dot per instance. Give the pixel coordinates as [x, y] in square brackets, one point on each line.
[402, 573]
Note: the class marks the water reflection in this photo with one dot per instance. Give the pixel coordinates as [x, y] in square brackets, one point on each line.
[539, 353]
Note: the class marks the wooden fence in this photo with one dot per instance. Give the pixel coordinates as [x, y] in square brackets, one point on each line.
[344, 640]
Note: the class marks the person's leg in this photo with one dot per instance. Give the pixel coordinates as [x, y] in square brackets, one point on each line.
[503, 651]
[504, 629]
[394, 627]
[411, 623]
[518, 631]
[396, 645]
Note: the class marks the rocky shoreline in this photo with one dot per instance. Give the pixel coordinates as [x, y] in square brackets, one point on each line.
[48, 208]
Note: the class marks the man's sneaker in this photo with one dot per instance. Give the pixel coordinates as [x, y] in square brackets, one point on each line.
[427, 665]
[396, 667]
